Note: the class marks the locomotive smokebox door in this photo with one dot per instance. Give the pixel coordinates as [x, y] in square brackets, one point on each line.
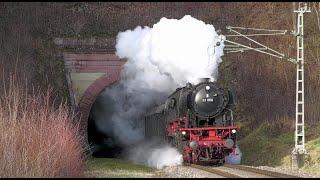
[208, 100]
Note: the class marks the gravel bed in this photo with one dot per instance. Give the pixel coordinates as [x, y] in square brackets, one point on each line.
[242, 173]
[184, 172]
[117, 174]
[283, 170]
[189, 172]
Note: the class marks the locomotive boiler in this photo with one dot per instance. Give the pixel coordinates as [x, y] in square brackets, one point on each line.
[198, 121]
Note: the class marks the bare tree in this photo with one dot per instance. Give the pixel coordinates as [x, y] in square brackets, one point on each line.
[317, 13]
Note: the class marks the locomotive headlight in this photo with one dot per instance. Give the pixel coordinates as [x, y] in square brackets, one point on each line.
[207, 88]
[233, 131]
[183, 133]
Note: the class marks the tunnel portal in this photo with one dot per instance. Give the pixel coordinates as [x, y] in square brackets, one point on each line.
[90, 66]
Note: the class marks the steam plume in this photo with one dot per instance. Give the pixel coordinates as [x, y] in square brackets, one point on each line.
[234, 158]
[159, 59]
[154, 154]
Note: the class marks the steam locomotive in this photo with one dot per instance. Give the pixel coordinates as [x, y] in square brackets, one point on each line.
[198, 121]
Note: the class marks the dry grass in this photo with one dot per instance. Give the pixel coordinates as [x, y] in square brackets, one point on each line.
[265, 88]
[117, 168]
[36, 138]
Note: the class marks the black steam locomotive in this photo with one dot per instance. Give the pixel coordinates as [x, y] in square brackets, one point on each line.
[198, 121]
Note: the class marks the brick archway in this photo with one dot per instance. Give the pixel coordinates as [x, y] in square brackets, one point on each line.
[90, 96]
[90, 65]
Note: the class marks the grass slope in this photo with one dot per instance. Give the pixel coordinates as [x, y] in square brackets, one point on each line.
[117, 168]
[312, 160]
[264, 146]
[313, 163]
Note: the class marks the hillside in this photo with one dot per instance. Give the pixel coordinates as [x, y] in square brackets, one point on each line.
[264, 86]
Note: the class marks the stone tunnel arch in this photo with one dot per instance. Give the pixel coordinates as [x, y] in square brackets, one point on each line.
[90, 96]
[84, 58]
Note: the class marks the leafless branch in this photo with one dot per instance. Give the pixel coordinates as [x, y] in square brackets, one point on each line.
[317, 13]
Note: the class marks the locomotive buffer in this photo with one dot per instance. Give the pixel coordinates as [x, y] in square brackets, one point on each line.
[299, 150]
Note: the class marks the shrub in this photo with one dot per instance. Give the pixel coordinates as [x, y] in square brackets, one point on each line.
[38, 138]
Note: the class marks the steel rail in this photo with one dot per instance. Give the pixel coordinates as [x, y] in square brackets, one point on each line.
[260, 171]
[215, 171]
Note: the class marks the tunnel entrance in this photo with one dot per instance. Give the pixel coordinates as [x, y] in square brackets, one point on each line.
[101, 135]
[91, 64]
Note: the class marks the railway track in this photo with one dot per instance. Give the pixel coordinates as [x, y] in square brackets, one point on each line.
[260, 171]
[215, 171]
[238, 171]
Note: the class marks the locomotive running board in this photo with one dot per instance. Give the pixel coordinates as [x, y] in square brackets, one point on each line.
[208, 128]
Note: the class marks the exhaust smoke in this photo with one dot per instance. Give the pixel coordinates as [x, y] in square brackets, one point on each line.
[155, 154]
[159, 59]
[234, 158]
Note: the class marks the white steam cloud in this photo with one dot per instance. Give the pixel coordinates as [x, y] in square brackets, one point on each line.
[234, 158]
[172, 52]
[155, 154]
[159, 59]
